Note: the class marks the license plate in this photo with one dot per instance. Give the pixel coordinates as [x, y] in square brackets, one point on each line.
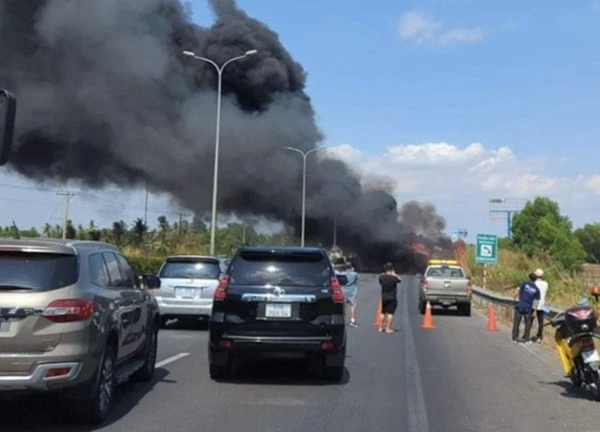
[448, 302]
[590, 356]
[186, 293]
[278, 310]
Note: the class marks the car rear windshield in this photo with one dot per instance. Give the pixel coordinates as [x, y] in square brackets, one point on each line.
[36, 271]
[447, 272]
[302, 269]
[190, 269]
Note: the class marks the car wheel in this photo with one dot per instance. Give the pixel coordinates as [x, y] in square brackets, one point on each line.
[219, 372]
[96, 409]
[163, 322]
[335, 373]
[466, 310]
[146, 373]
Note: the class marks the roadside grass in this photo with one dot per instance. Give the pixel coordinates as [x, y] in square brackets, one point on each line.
[513, 267]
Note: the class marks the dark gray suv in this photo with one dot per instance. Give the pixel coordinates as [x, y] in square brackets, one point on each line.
[74, 320]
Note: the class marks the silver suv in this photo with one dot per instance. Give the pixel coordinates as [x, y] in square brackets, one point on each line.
[187, 286]
[75, 320]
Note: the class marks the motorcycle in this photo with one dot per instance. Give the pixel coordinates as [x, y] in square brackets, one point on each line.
[575, 344]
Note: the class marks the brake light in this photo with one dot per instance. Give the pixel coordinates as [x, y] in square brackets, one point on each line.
[221, 291]
[71, 310]
[582, 313]
[338, 294]
[327, 346]
[425, 285]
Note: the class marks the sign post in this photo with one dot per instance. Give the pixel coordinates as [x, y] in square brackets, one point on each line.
[486, 252]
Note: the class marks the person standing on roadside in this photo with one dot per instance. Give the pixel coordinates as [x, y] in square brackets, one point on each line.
[351, 292]
[389, 297]
[526, 297]
[543, 287]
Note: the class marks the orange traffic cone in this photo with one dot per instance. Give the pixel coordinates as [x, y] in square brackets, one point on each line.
[377, 321]
[492, 325]
[428, 318]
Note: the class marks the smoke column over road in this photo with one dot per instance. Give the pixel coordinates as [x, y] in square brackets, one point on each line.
[105, 97]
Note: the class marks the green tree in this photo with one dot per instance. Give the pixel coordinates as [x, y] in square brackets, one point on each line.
[589, 237]
[139, 229]
[198, 224]
[534, 227]
[71, 232]
[540, 227]
[119, 230]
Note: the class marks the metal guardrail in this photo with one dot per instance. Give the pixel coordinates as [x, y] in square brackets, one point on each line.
[506, 301]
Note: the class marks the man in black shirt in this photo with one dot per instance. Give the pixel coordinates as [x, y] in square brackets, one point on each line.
[389, 297]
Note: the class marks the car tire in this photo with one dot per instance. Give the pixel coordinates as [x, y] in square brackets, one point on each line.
[334, 374]
[219, 372]
[95, 409]
[146, 373]
[163, 322]
[466, 310]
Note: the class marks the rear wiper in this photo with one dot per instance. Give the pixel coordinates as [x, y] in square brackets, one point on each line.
[15, 288]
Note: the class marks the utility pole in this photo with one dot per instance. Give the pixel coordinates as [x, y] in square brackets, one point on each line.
[68, 196]
[146, 206]
[181, 216]
[335, 229]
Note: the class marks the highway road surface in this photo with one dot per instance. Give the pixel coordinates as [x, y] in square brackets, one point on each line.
[457, 377]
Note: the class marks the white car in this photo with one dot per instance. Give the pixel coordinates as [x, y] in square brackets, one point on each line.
[187, 287]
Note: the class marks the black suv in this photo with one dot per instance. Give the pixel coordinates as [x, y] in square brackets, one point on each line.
[277, 302]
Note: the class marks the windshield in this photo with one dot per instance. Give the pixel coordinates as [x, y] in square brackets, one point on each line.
[447, 272]
[36, 271]
[308, 270]
[190, 269]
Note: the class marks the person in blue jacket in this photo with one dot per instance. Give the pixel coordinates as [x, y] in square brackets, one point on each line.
[526, 298]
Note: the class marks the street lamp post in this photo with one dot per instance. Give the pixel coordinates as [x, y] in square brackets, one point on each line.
[304, 156]
[220, 69]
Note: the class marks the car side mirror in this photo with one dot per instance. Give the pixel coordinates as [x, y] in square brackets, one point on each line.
[8, 113]
[151, 281]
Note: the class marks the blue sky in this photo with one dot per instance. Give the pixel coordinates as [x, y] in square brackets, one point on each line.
[453, 102]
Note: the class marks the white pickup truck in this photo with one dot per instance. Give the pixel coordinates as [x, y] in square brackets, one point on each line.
[445, 284]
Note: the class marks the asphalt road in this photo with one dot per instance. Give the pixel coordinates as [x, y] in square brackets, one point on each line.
[457, 377]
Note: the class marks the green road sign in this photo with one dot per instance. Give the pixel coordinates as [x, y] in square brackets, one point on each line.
[487, 249]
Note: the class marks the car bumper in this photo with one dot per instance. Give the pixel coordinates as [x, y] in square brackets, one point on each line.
[447, 300]
[175, 308]
[278, 347]
[37, 379]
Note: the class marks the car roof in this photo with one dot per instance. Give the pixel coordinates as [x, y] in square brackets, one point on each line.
[52, 245]
[282, 249]
[204, 257]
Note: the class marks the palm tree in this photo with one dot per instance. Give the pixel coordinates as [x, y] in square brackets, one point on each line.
[139, 229]
[119, 230]
[48, 230]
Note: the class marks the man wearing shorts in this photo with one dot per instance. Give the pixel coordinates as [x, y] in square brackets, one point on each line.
[389, 297]
[351, 293]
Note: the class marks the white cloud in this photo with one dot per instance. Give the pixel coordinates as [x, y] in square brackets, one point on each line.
[421, 28]
[432, 153]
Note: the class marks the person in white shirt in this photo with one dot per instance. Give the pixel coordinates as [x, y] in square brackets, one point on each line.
[543, 287]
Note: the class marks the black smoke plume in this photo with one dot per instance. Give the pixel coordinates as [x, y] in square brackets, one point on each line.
[106, 97]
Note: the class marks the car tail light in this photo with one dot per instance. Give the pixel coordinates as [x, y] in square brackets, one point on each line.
[425, 285]
[582, 313]
[221, 291]
[57, 372]
[224, 343]
[326, 346]
[71, 310]
[338, 294]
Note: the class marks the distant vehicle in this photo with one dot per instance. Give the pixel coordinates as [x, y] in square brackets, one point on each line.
[8, 112]
[74, 320]
[187, 286]
[278, 302]
[445, 284]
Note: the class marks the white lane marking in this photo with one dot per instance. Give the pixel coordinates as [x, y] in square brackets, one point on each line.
[417, 410]
[171, 359]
